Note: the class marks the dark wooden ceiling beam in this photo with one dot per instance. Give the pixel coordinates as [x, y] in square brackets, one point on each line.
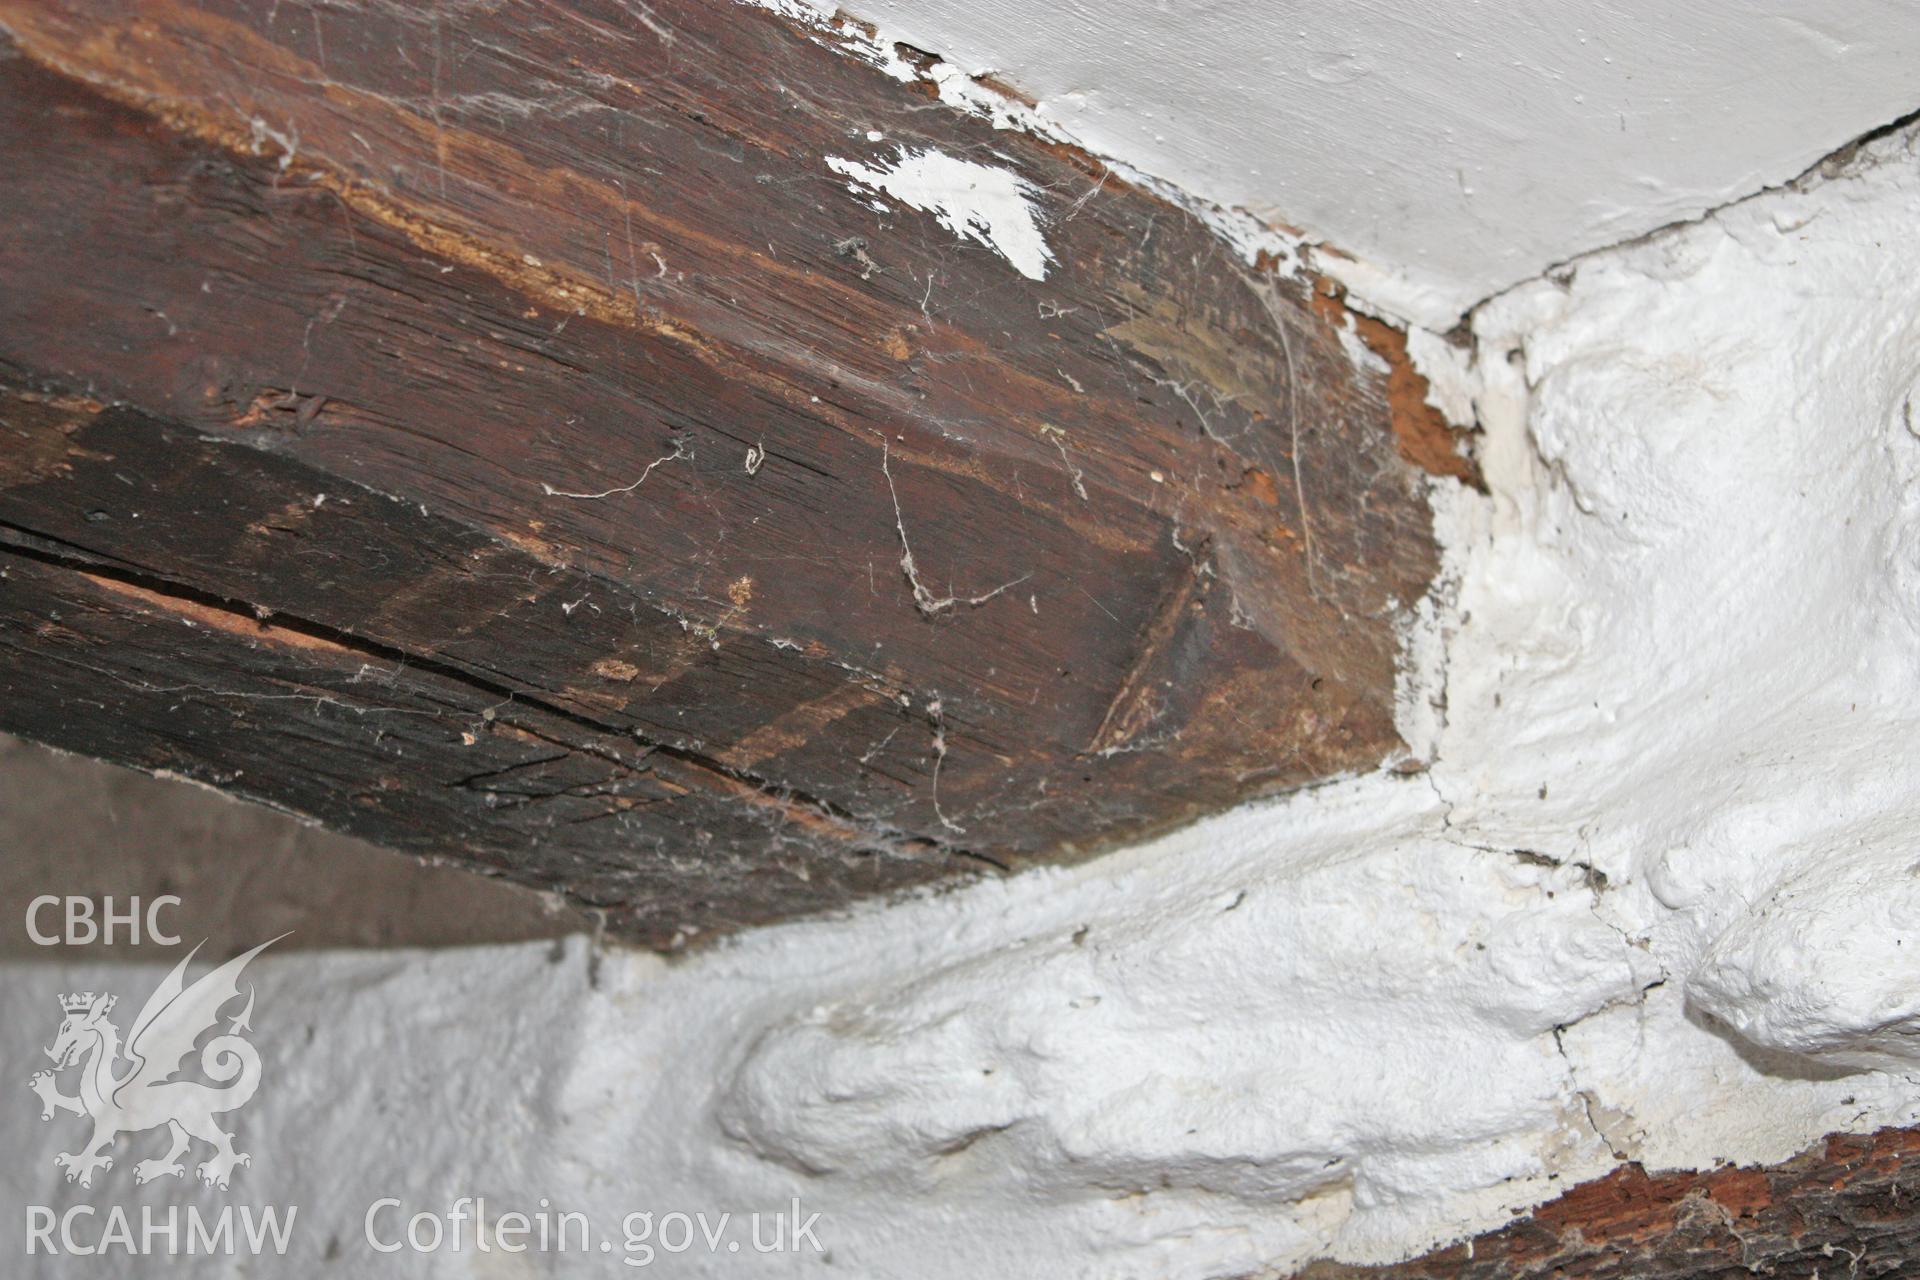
[1847, 1208]
[793, 546]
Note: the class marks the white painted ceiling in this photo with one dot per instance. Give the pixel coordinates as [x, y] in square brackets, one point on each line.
[1454, 146]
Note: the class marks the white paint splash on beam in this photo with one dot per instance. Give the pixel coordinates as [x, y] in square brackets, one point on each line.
[977, 202]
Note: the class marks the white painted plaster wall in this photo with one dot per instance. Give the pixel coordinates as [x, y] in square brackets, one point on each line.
[1455, 147]
[1657, 897]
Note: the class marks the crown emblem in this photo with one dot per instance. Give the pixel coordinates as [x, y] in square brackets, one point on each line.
[81, 1001]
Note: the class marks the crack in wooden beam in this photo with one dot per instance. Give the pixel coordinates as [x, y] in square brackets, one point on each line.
[250, 625]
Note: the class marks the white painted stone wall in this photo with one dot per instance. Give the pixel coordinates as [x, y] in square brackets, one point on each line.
[1658, 898]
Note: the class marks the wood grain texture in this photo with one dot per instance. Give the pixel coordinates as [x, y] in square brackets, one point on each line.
[1847, 1209]
[538, 350]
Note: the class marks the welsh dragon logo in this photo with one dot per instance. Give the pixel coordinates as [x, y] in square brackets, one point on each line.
[144, 1095]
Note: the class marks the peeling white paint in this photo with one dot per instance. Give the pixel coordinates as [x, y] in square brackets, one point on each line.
[984, 203]
[1363, 357]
